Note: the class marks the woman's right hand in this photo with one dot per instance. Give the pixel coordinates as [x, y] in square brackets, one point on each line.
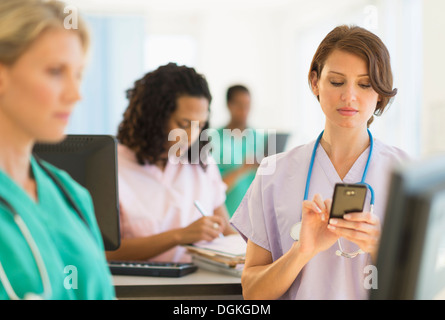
[205, 228]
[314, 234]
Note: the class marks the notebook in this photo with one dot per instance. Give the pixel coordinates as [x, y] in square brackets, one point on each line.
[228, 246]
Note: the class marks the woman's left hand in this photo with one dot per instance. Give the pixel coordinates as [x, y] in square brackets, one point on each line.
[362, 228]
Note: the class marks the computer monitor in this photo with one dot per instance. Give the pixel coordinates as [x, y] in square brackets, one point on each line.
[91, 160]
[279, 139]
[411, 258]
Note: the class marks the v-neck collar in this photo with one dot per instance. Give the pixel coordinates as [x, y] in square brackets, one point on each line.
[160, 175]
[354, 174]
[11, 189]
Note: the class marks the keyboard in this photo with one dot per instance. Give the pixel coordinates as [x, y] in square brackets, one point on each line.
[151, 269]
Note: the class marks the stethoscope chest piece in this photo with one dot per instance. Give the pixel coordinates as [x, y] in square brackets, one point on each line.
[295, 231]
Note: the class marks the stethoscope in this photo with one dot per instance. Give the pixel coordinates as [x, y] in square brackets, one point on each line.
[47, 290]
[295, 229]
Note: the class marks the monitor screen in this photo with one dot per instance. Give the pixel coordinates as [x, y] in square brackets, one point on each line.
[276, 143]
[430, 282]
[91, 160]
[411, 257]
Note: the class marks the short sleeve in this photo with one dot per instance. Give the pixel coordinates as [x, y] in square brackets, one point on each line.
[249, 219]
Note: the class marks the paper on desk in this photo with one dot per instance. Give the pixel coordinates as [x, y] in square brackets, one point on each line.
[233, 245]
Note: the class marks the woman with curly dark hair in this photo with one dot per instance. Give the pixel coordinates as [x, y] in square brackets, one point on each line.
[156, 191]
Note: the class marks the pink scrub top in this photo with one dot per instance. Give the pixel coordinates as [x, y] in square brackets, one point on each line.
[272, 205]
[153, 201]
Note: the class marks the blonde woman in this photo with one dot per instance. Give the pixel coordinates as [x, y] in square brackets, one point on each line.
[50, 245]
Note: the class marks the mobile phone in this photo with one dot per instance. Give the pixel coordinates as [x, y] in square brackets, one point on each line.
[347, 198]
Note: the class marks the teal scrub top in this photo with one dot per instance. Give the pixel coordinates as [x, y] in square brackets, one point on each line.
[72, 252]
[239, 149]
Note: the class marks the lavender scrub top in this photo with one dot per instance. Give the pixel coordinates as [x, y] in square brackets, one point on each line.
[273, 204]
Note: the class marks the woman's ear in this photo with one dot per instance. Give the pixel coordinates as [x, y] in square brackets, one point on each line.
[314, 83]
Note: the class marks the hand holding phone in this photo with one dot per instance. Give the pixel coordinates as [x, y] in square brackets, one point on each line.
[347, 198]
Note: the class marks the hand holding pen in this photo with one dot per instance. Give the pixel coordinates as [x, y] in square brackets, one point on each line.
[216, 225]
[206, 228]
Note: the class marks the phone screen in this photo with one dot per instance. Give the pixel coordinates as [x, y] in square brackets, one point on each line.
[347, 198]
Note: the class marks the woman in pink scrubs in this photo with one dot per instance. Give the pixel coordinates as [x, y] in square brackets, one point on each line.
[351, 77]
[161, 175]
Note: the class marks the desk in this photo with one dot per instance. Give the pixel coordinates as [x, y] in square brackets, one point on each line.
[201, 284]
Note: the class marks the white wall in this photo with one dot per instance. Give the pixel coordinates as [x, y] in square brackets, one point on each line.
[234, 46]
[268, 45]
[256, 46]
[433, 122]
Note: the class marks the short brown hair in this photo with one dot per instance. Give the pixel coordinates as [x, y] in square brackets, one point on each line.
[368, 46]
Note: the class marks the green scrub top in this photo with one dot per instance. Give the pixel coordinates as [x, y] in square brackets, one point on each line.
[72, 252]
[238, 149]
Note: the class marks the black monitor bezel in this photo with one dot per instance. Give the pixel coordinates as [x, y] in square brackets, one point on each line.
[106, 149]
[412, 189]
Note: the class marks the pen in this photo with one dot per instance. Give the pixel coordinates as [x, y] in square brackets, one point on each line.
[205, 214]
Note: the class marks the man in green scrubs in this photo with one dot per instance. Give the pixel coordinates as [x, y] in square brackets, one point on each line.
[238, 147]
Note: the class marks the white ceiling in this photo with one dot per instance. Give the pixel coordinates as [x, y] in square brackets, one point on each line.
[185, 5]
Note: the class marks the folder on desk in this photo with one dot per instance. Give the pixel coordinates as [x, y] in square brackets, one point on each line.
[226, 255]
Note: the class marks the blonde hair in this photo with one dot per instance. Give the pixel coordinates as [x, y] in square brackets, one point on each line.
[22, 21]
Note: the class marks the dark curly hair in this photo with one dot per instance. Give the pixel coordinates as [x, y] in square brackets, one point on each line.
[144, 128]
